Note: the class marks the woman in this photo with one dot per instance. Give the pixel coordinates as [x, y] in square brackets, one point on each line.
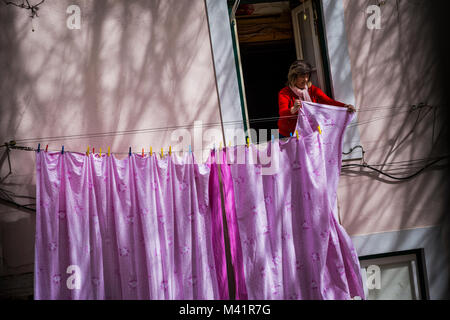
[299, 88]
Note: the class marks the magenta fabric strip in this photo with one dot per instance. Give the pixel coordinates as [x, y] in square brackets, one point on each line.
[233, 229]
[217, 229]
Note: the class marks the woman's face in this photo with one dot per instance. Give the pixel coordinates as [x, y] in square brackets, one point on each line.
[301, 81]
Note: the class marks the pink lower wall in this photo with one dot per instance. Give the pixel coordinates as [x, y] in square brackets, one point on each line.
[133, 65]
[393, 68]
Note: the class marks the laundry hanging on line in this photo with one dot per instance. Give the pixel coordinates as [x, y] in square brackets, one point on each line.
[286, 213]
[149, 228]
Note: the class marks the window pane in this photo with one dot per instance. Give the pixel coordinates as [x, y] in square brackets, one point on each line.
[395, 275]
[395, 283]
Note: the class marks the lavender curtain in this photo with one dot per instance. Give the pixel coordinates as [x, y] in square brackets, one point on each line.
[292, 245]
[137, 228]
[145, 228]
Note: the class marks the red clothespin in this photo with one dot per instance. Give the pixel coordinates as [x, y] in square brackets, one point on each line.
[46, 148]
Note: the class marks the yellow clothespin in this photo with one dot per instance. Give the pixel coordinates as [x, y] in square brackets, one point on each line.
[296, 133]
[320, 130]
[151, 151]
[248, 142]
[170, 150]
[109, 151]
[87, 152]
[100, 152]
[162, 153]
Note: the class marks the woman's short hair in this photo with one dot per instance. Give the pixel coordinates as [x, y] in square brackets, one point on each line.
[298, 68]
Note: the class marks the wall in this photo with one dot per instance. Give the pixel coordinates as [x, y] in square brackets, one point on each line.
[133, 66]
[399, 65]
[225, 71]
[340, 68]
[393, 68]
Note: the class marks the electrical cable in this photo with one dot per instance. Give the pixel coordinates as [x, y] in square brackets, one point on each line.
[17, 205]
[394, 177]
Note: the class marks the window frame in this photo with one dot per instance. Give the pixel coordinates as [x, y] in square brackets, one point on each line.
[401, 256]
[335, 57]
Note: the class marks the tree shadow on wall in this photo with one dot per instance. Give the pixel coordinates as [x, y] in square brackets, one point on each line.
[130, 61]
[134, 65]
[394, 70]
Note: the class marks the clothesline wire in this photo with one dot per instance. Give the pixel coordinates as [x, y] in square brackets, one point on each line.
[412, 164]
[403, 163]
[11, 201]
[190, 126]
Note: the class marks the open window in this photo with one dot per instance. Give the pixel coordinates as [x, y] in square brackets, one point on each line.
[269, 36]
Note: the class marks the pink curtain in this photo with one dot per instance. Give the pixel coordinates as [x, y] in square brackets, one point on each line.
[137, 228]
[146, 228]
[292, 245]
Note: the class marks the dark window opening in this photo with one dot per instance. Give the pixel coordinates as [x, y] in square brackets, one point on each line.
[264, 70]
[271, 35]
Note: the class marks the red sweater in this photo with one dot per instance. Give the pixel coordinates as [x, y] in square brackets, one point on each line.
[286, 99]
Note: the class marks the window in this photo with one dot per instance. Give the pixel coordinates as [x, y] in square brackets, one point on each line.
[268, 37]
[395, 276]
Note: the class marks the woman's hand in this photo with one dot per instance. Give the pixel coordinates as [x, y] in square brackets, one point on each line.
[350, 108]
[296, 107]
